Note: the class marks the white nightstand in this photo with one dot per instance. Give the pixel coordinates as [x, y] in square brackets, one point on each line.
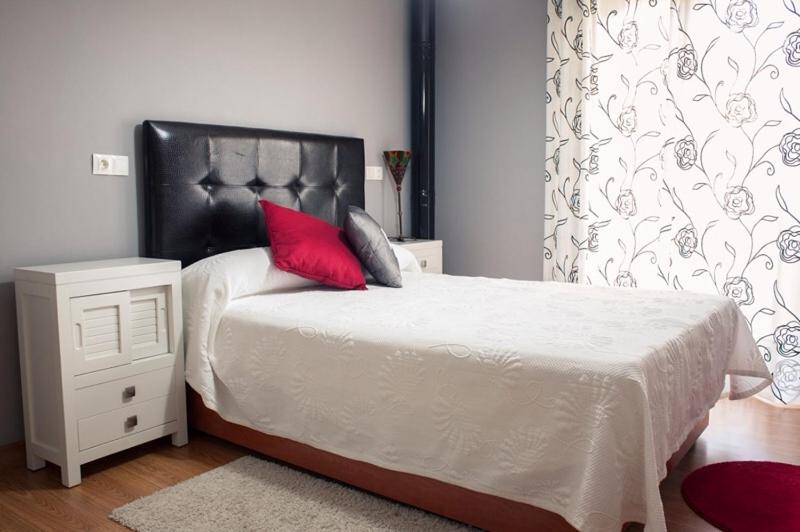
[101, 357]
[428, 253]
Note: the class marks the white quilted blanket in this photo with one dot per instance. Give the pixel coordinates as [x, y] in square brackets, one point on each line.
[570, 398]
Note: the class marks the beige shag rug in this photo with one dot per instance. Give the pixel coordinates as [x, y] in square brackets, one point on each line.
[253, 494]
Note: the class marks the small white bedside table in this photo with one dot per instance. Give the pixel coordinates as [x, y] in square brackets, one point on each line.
[101, 358]
[428, 253]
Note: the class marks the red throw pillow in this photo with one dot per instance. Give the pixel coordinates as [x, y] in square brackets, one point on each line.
[311, 248]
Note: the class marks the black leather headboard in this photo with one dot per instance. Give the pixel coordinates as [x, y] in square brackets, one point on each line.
[202, 184]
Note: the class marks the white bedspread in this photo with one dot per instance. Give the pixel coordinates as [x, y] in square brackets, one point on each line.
[570, 398]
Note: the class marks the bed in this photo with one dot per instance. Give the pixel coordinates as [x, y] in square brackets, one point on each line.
[563, 413]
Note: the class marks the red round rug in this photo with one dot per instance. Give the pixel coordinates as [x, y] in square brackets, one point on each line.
[746, 496]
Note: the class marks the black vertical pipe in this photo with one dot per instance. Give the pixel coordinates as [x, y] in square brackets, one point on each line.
[423, 140]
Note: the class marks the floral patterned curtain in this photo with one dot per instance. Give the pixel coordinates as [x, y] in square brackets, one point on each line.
[673, 156]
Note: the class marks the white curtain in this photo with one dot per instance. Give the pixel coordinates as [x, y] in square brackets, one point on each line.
[673, 156]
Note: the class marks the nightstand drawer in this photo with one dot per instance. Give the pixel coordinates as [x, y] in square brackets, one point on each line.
[125, 421]
[93, 400]
[427, 252]
[430, 262]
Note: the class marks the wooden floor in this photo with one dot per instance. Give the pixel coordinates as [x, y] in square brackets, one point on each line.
[742, 430]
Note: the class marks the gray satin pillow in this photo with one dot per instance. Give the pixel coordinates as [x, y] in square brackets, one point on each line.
[372, 248]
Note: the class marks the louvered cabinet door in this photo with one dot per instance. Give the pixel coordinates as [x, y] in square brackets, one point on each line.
[149, 335]
[100, 331]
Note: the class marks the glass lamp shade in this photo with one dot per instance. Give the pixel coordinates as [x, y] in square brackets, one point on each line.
[397, 163]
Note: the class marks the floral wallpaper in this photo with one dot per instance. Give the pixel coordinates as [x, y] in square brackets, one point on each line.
[673, 157]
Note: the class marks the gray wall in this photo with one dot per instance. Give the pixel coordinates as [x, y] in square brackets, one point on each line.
[490, 119]
[77, 76]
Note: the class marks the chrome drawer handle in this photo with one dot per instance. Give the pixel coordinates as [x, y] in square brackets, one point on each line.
[129, 392]
[131, 422]
[423, 263]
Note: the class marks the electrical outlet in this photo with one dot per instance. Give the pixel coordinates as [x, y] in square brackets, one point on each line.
[109, 164]
[374, 173]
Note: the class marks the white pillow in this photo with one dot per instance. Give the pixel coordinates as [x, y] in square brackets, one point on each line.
[243, 272]
[406, 259]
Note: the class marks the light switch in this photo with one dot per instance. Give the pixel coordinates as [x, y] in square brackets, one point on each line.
[109, 164]
[374, 173]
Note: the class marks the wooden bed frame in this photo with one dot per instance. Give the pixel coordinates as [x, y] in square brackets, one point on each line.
[216, 174]
[478, 509]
